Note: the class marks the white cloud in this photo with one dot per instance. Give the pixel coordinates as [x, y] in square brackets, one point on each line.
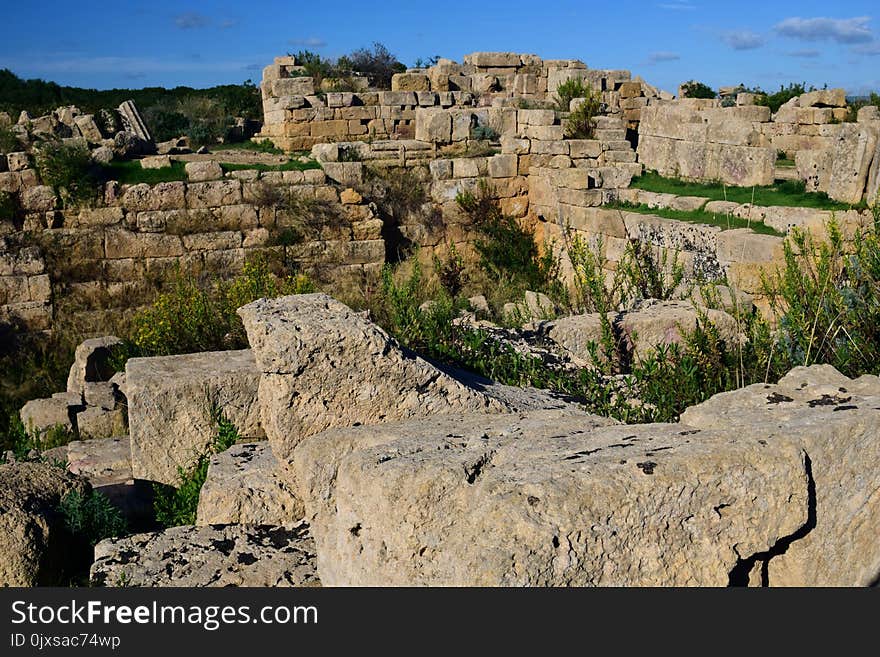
[191, 21]
[743, 39]
[310, 42]
[841, 30]
[663, 56]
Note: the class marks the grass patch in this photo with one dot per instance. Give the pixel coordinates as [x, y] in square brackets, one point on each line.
[785, 163]
[263, 146]
[724, 222]
[293, 165]
[131, 172]
[786, 193]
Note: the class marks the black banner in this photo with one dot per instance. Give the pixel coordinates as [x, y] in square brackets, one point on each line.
[172, 622]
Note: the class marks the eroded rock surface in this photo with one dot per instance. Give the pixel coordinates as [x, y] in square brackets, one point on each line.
[244, 486]
[218, 555]
[836, 421]
[546, 499]
[33, 540]
[169, 403]
[324, 366]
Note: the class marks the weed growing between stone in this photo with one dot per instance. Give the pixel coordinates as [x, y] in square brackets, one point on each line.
[92, 517]
[175, 506]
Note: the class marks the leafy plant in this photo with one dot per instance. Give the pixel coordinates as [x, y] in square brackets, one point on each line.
[175, 506]
[508, 252]
[188, 318]
[69, 169]
[828, 299]
[581, 122]
[694, 89]
[9, 142]
[484, 132]
[569, 90]
[92, 516]
[451, 271]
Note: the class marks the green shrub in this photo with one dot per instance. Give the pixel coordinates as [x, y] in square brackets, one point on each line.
[9, 142]
[828, 299]
[68, 167]
[451, 271]
[377, 62]
[508, 252]
[92, 517]
[569, 90]
[484, 132]
[188, 318]
[175, 506]
[777, 99]
[581, 122]
[694, 89]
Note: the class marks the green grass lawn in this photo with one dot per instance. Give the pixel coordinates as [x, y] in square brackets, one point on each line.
[787, 193]
[264, 146]
[293, 165]
[785, 162]
[130, 172]
[724, 222]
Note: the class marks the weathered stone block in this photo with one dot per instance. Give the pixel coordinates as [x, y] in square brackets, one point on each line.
[169, 407]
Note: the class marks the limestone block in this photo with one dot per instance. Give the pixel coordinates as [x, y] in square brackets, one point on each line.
[433, 125]
[832, 420]
[301, 343]
[213, 194]
[244, 487]
[218, 555]
[35, 547]
[169, 402]
[297, 86]
[410, 82]
[156, 162]
[544, 499]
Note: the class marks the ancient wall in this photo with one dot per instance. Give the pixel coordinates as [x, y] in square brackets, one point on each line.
[298, 116]
[98, 261]
[697, 139]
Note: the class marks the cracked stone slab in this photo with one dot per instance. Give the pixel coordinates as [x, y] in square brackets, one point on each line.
[169, 401]
[324, 366]
[836, 421]
[546, 498]
[245, 486]
[216, 555]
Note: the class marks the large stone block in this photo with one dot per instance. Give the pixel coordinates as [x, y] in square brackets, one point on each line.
[433, 125]
[410, 82]
[219, 555]
[244, 487]
[834, 422]
[546, 499]
[325, 366]
[35, 546]
[169, 407]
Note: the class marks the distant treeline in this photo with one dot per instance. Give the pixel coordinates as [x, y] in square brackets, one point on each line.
[203, 114]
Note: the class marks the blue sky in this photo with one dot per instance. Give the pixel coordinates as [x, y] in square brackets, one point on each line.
[136, 44]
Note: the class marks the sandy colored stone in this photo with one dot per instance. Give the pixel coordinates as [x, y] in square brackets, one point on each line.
[244, 486]
[230, 555]
[34, 544]
[545, 499]
[169, 399]
[323, 366]
[835, 422]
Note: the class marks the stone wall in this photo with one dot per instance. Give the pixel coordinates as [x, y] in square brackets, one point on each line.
[298, 116]
[96, 262]
[697, 139]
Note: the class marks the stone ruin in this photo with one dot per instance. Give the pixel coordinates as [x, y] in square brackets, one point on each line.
[430, 477]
